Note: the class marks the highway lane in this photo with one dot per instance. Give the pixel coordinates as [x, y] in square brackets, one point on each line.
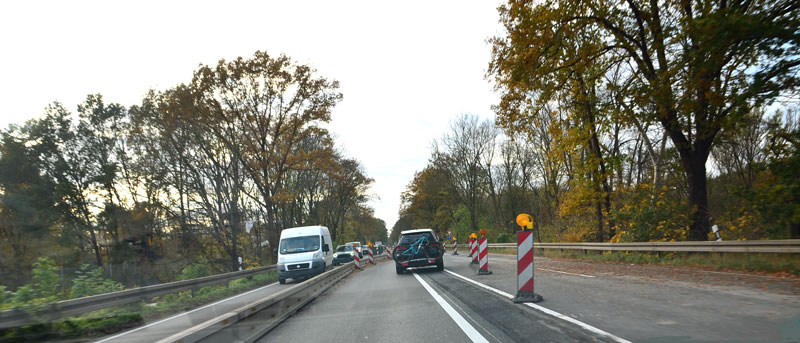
[165, 327]
[377, 305]
[660, 307]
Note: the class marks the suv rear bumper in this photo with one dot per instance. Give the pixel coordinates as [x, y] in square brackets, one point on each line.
[420, 262]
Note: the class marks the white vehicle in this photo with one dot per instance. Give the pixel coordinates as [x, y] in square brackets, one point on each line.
[358, 248]
[304, 252]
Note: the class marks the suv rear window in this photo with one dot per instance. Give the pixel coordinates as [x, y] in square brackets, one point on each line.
[410, 238]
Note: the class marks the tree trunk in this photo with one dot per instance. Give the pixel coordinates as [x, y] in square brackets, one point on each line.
[694, 165]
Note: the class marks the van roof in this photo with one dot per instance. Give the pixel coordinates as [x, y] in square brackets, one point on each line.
[303, 231]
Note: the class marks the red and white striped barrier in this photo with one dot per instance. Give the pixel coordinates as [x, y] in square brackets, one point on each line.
[474, 251]
[483, 256]
[525, 269]
[370, 256]
[388, 251]
[469, 247]
[355, 260]
[455, 248]
[444, 246]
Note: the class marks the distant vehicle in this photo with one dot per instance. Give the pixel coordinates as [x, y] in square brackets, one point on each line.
[358, 248]
[343, 254]
[304, 252]
[418, 248]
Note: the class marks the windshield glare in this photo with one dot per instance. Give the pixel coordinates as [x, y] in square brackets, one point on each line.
[299, 244]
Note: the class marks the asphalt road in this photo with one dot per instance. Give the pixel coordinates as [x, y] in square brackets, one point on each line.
[163, 328]
[583, 302]
[377, 305]
[656, 304]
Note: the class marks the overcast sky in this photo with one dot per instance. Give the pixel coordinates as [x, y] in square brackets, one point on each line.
[407, 68]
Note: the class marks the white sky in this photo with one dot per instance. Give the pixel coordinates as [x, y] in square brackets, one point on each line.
[407, 68]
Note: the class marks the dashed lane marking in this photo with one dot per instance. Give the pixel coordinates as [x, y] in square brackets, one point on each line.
[544, 309]
[558, 271]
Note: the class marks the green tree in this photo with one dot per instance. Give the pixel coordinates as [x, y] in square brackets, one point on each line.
[694, 67]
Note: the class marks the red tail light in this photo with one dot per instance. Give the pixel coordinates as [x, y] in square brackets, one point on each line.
[435, 244]
[400, 247]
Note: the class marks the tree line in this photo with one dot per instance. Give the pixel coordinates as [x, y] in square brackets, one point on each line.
[212, 169]
[636, 121]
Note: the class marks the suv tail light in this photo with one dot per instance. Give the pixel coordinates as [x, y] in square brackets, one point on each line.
[400, 247]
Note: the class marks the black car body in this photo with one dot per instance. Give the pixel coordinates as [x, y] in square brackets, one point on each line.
[418, 248]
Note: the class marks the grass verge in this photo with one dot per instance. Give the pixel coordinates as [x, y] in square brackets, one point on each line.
[777, 264]
[103, 322]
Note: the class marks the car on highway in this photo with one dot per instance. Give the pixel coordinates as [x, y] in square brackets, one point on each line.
[344, 253]
[358, 248]
[303, 252]
[418, 248]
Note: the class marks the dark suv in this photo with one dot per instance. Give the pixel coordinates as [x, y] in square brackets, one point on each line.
[418, 248]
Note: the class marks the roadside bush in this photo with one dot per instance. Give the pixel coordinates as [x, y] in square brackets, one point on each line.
[90, 282]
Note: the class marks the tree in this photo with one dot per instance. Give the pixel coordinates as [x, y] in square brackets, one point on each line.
[27, 211]
[694, 67]
[428, 200]
[461, 154]
[273, 104]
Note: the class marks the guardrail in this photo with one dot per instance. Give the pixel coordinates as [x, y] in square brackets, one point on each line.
[248, 323]
[73, 307]
[791, 246]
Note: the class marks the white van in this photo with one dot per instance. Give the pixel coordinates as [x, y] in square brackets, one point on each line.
[304, 252]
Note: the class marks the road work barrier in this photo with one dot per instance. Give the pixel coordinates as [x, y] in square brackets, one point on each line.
[73, 307]
[470, 243]
[356, 261]
[248, 323]
[483, 256]
[371, 260]
[474, 251]
[444, 246]
[789, 246]
[455, 248]
[525, 268]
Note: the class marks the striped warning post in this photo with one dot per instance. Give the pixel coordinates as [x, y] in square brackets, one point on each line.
[444, 246]
[370, 255]
[455, 248]
[525, 269]
[469, 247]
[388, 252]
[474, 251]
[483, 256]
[356, 260]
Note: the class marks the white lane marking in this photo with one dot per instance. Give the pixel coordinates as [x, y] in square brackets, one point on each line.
[183, 313]
[544, 309]
[470, 331]
[558, 271]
